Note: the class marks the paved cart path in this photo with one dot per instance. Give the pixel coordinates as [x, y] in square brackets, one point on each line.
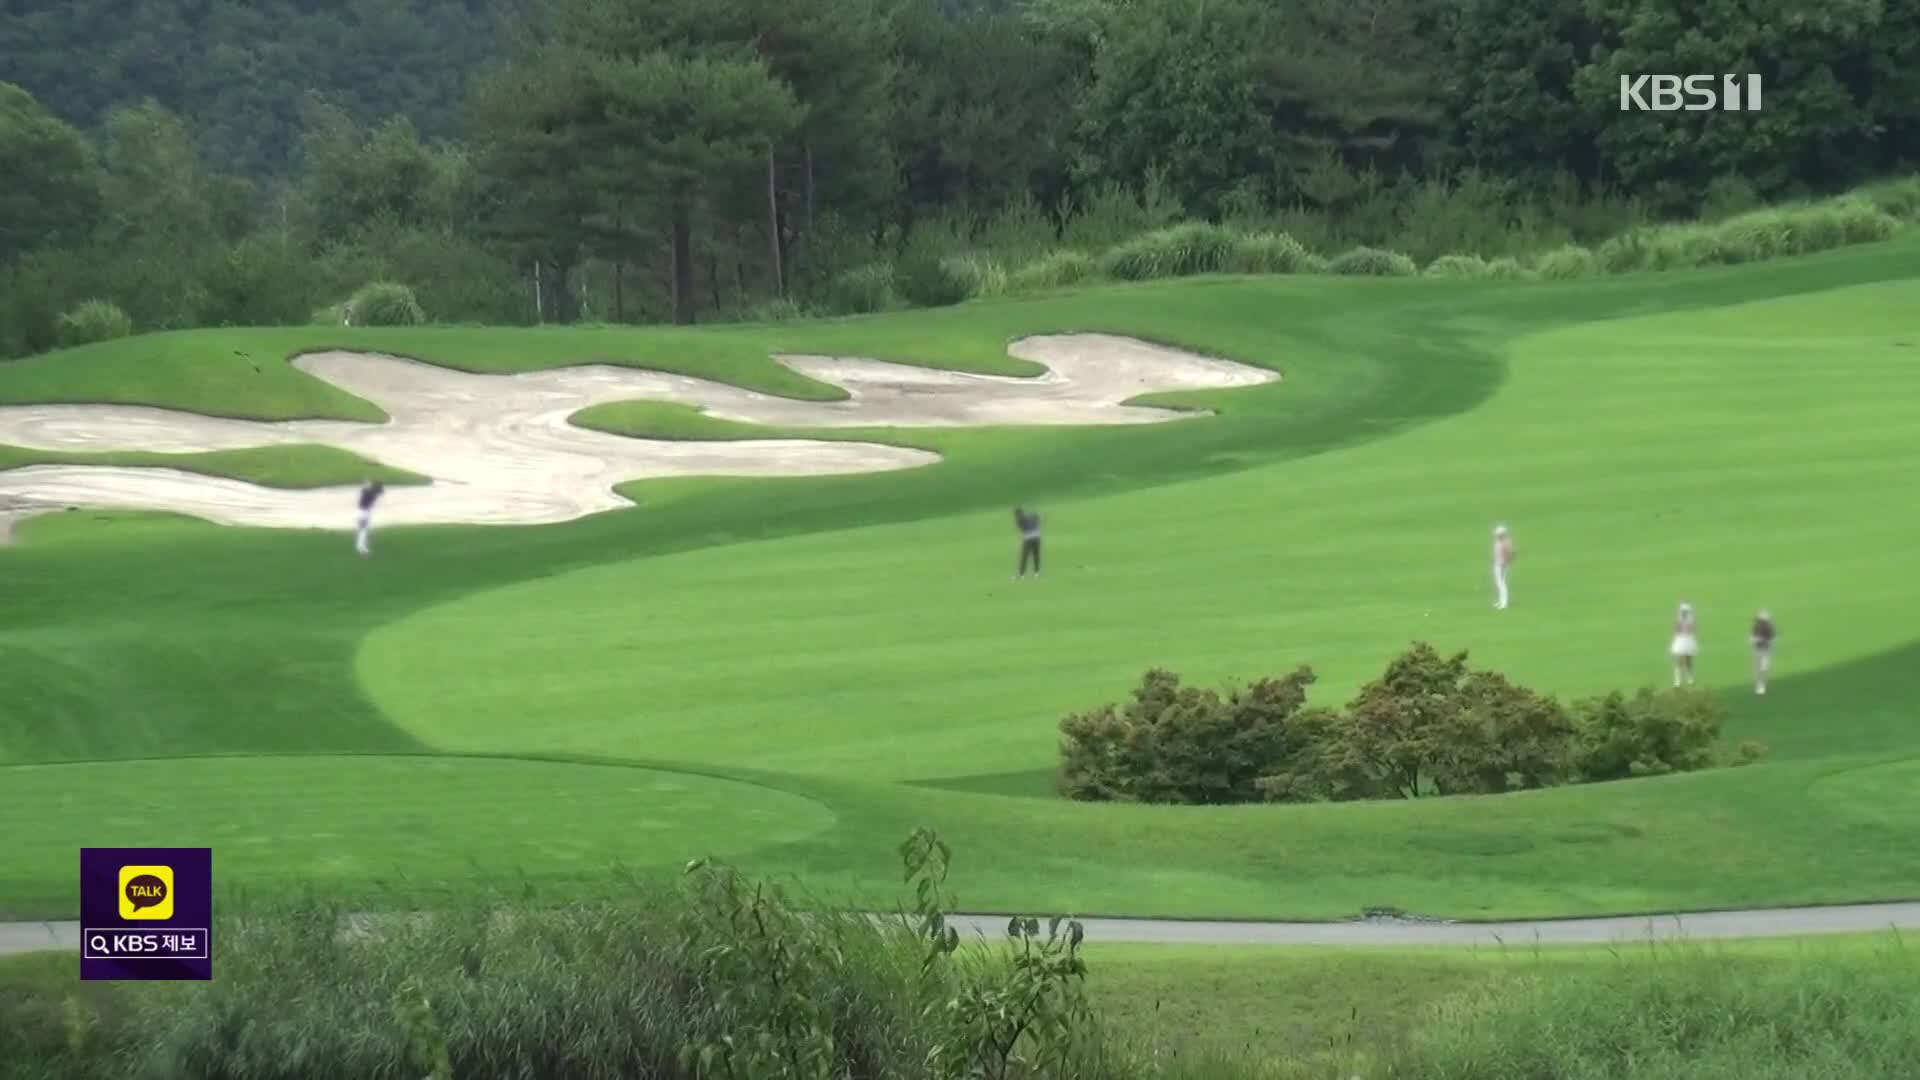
[19, 937]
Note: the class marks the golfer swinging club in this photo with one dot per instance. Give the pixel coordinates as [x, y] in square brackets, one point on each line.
[369, 494]
[1029, 525]
[1762, 650]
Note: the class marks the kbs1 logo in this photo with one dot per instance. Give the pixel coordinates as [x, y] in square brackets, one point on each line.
[1689, 93]
[146, 913]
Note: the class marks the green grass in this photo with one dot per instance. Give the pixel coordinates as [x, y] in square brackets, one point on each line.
[1285, 1002]
[854, 643]
[296, 466]
[1316, 1012]
[239, 372]
[672, 420]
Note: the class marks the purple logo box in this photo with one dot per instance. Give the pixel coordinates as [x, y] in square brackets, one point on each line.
[146, 913]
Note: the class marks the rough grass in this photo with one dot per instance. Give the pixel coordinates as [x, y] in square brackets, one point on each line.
[594, 988]
[298, 466]
[1052, 271]
[888, 654]
[1180, 251]
[1372, 262]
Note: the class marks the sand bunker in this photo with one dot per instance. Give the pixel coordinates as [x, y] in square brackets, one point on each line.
[500, 448]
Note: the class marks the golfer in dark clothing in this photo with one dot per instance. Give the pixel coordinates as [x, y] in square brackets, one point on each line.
[369, 494]
[1762, 651]
[1029, 524]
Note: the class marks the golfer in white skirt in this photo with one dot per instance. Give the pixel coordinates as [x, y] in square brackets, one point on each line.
[1686, 645]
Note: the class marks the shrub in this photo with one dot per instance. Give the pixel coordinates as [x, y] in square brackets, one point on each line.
[1020, 232]
[1431, 725]
[1182, 744]
[1507, 268]
[1114, 214]
[979, 275]
[928, 280]
[776, 309]
[91, 321]
[1373, 262]
[1752, 237]
[1858, 221]
[834, 246]
[1459, 266]
[1630, 251]
[264, 280]
[1506, 738]
[1897, 198]
[1192, 248]
[1266, 253]
[1727, 196]
[1567, 263]
[1651, 733]
[385, 303]
[862, 290]
[1682, 247]
[1052, 271]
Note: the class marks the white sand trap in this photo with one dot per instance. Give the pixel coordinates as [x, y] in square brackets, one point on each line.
[500, 448]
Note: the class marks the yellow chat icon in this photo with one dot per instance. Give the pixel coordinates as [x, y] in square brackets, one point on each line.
[146, 892]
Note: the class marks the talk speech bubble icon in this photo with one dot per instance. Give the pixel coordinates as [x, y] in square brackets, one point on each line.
[146, 891]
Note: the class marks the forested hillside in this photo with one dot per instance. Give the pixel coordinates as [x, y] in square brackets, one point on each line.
[201, 162]
[237, 70]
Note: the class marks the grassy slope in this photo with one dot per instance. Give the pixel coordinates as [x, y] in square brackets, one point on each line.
[138, 660]
[298, 466]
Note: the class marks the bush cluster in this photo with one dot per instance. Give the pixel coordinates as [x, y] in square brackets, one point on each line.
[1429, 725]
[951, 259]
[385, 303]
[94, 320]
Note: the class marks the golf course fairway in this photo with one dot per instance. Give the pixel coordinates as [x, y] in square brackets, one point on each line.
[794, 672]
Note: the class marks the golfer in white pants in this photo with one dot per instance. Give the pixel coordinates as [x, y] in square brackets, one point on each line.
[363, 525]
[1502, 562]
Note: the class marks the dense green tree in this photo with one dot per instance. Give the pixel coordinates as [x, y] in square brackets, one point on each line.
[236, 70]
[695, 121]
[1510, 68]
[534, 164]
[1816, 121]
[52, 188]
[984, 109]
[350, 176]
[1238, 94]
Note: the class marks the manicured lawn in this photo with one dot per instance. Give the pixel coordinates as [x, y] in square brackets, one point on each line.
[298, 466]
[242, 372]
[1736, 438]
